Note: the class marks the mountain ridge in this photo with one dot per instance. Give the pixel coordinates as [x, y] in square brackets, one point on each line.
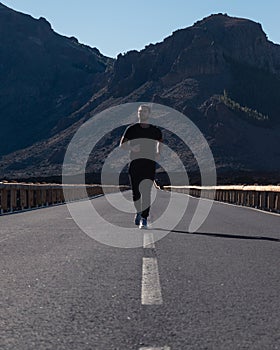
[47, 74]
[222, 72]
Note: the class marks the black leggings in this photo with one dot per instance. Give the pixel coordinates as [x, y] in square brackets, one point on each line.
[139, 170]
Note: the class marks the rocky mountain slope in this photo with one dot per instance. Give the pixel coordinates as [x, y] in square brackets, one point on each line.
[222, 72]
[44, 77]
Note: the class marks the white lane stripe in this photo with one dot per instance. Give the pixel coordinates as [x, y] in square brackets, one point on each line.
[151, 291]
[151, 348]
[148, 240]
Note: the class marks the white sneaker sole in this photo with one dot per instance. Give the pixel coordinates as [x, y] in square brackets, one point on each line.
[143, 227]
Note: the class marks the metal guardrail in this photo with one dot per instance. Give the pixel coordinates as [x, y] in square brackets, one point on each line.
[260, 197]
[23, 196]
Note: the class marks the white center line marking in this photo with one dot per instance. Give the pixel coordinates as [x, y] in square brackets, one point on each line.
[151, 348]
[148, 240]
[151, 291]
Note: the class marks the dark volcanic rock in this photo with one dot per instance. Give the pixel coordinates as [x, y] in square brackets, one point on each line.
[203, 55]
[44, 77]
[222, 73]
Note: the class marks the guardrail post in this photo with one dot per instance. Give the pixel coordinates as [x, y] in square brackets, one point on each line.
[44, 198]
[242, 198]
[54, 196]
[4, 200]
[13, 203]
[270, 201]
[277, 202]
[23, 198]
[59, 195]
[262, 200]
[254, 197]
[1, 198]
[9, 199]
[247, 198]
[232, 196]
[39, 197]
[29, 197]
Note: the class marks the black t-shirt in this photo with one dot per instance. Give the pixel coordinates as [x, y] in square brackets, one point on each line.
[146, 137]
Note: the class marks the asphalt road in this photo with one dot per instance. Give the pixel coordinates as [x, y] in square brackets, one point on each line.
[217, 288]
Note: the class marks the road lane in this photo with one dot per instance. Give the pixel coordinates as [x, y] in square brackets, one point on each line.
[61, 289]
[220, 285]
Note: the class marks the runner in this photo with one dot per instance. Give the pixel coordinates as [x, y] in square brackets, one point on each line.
[143, 141]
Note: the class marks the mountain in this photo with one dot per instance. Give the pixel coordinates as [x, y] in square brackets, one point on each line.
[222, 72]
[44, 76]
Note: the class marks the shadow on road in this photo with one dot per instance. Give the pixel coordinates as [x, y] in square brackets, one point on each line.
[222, 235]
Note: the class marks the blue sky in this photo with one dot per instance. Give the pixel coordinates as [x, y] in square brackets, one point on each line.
[119, 26]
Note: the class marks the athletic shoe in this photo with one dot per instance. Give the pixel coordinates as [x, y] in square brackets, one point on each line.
[137, 219]
[143, 224]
